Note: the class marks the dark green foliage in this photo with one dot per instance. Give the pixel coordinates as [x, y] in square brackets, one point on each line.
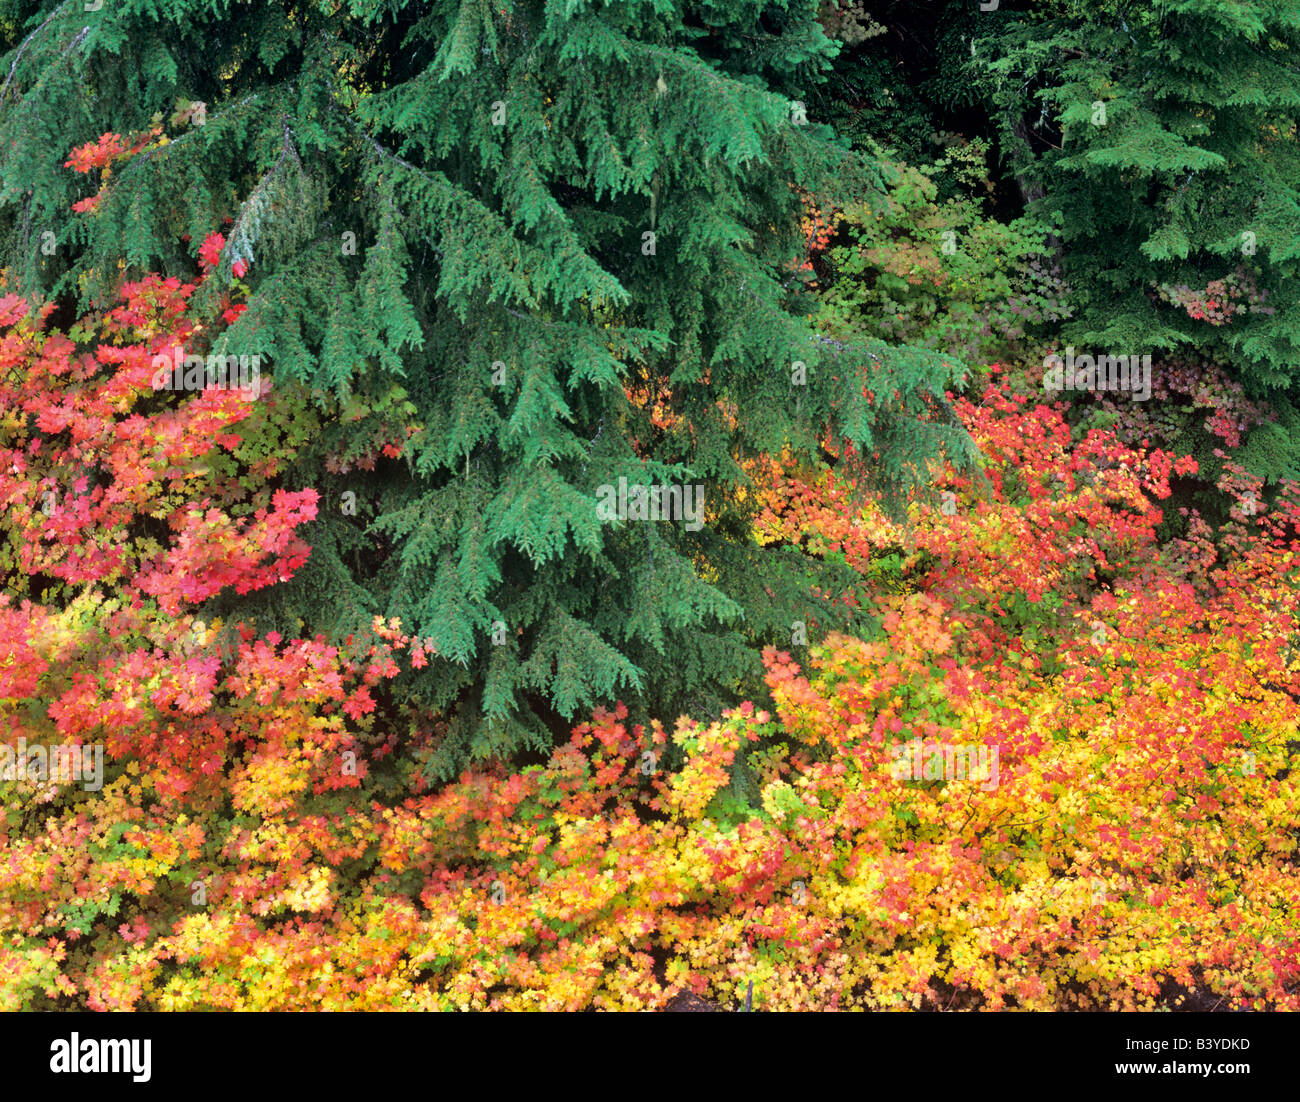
[1270, 450]
[943, 275]
[1164, 134]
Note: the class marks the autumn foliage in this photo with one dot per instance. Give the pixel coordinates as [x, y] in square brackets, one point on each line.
[262, 841]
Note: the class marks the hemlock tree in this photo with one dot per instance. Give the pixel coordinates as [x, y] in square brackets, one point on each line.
[559, 243]
[1164, 133]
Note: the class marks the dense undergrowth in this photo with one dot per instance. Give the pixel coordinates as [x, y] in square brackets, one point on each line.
[1122, 833]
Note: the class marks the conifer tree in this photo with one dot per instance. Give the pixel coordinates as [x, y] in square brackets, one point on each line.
[547, 247]
[1164, 135]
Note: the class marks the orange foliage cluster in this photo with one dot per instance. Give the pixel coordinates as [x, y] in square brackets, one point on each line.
[261, 842]
[818, 228]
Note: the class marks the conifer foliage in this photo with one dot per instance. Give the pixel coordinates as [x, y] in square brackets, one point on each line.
[567, 233]
[1164, 135]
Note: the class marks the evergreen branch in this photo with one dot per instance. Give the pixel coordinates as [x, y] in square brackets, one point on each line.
[28, 41]
[245, 230]
[76, 41]
[166, 150]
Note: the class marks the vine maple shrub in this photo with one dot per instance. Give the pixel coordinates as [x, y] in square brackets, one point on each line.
[264, 837]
